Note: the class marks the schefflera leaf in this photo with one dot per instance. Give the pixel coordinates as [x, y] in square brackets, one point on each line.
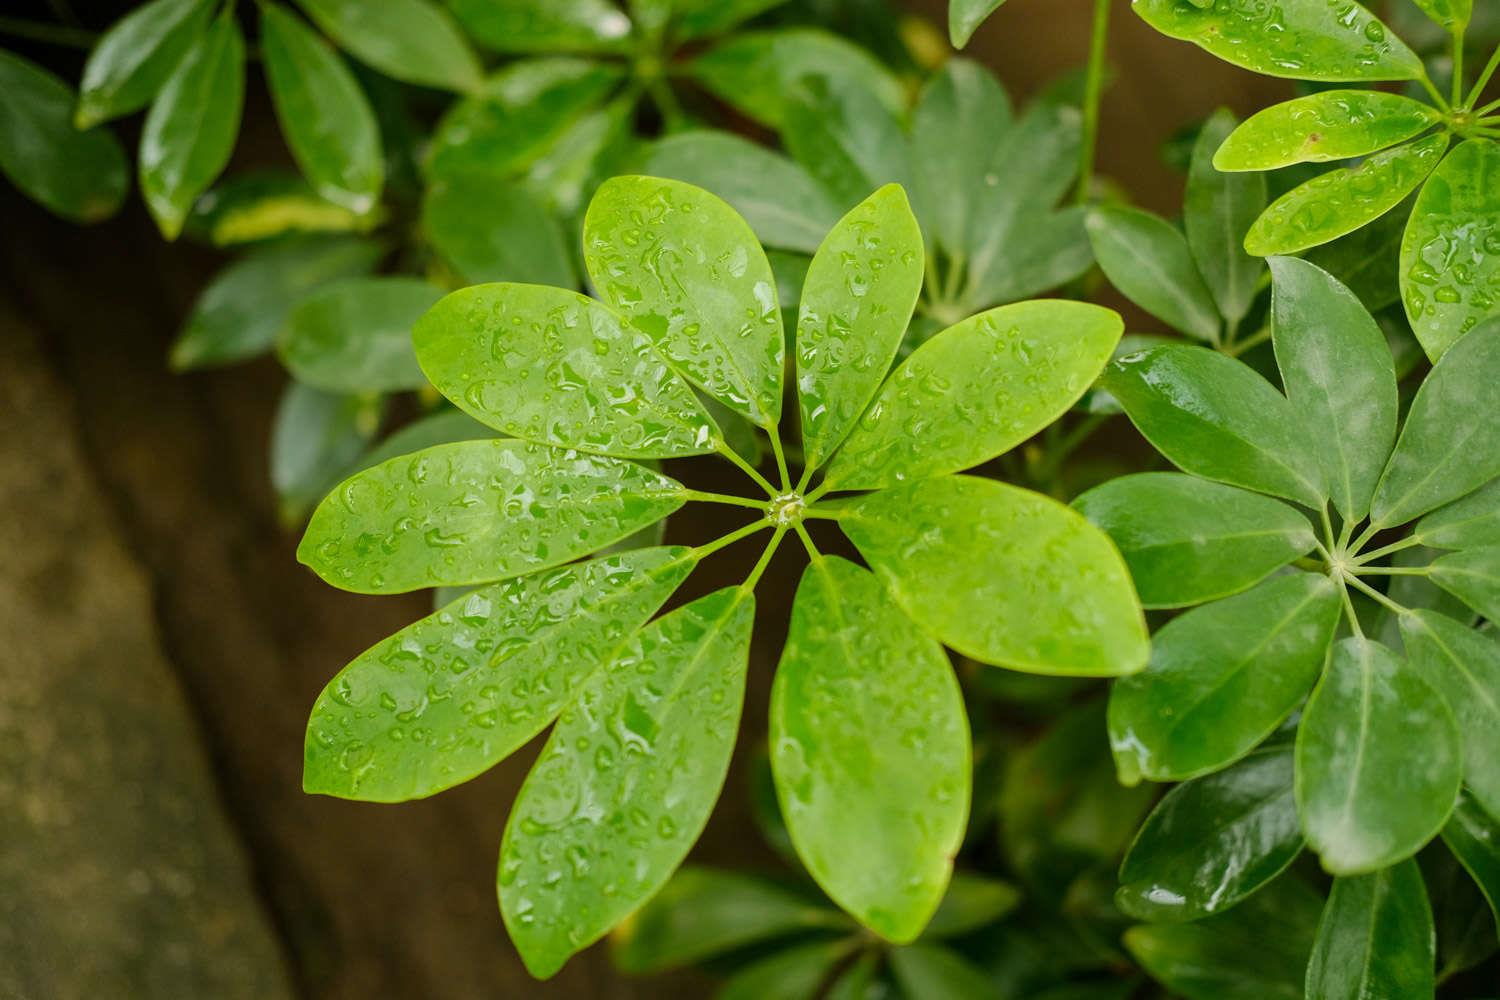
[1376, 938]
[1218, 210]
[856, 301]
[1221, 678]
[870, 750]
[1188, 540]
[449, 696]
[1217, 418]
[684, 267]
[1213, 841]
[1378, 761]
[1003, 575]
[1472, 576]
[550, 365]
[1147, 259]
[1472, 521]
[976, 390]
[1339, 377]
[475, 512]
[355, 335]
[626, 781]
[135, 56]
[1330, 125]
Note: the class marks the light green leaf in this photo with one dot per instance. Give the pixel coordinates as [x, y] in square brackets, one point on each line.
[785, 206]
[1470, 522]
[976, 390]
[1055, 594]
[355, 335]
[1450, 444]
[135, 56]
[876, 819]
[1450, 255]
[797, 973]
[1474, 838]
[933, 972]
[1367, 261]
[80, 176]
[845, 137]
[261, 205]
[1452, 15]
[193, 122]
[443, 427]
[963, 109]
[1378, 761]
[477, 511]
[1376, 938]
[490, 229]
[1462, 665]
[1221, 678]
[1328, 125]
[965, 17]
[647, 745]
[1342, 200]
[1147, 259]
[1215, 417]
[450, 696]
[552, 366]
[755, 71]
[245, 308]
[703, 912]
[325, 117]
[1213, 841]
[856, 301]
[1473, 576]
[1218, 210]
[1339, 377]
[1187, 540]
[1299, 39]
[685, 268]
[315, 438]
[971, 902]
[411, 40]
[545, 25]
[518, 115]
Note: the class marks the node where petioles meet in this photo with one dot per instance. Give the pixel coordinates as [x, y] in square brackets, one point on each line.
[786, 510]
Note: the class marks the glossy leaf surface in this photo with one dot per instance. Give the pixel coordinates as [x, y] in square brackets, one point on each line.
[1329, 125]
[448, 697]
[1452, 15]
[1213, 841]
[1473, 576]
[856, 301]
[627, 780]
[876, 820]
[1469, 522]
[965, 17]
[976, 390]
[1474, 838]
[135, 56]
[1376, 938]
[1221, 678]
[684, 267]
[1214, 417]
[544, 25]
[489, 229]
[553, 366]
[259, 206]
[1056, 594]
[411, 40]
[1450, 255]
[1378, 761]
[1218, 210]
[477, 511]
[1147, 259]
[356, 335]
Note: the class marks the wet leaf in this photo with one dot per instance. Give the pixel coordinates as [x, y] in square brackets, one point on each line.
[80, 176]
[1450, 255]
[856, 301]
[411, 40]
[258, 206]
[193, 123]
[490, 229]
[933, 972]
[1214, 417]
[1221, 678]
[1473, 576]
[1376, 938]
[1218, 210]
[1474, 838]
[1187, 540]
[135, 56]
[1299, 39]
[355, 335]
[315, 438]
[1469, 522]
[976, 390]
[1328, 125]
[1213, 841]
[1378, 761]
[1342, 200]
[450, 696]
[477, 511]
[544, 25]
[965, 17]
[647, 744]
[684, 267]
[1367, 261]
[1056, 594]
[327, 122]
[844, 136]
[870, 750]
[962, 110]
[1339, 377]
[1147, 259]
[1450, 444]
[553, 366]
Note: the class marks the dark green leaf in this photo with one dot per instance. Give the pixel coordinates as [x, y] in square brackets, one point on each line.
[1470, 522]
[316, 437]
[1147, 259]
[411, 40]
[1474, 838]
[355, 335]
[490, 229]
[1329, 125]
[443, 427]
[962, 110]
[970, 902]
[794, 974]
[844, 136]
[545, 25]
[135, 56]
[965, 17]
[932, 972]
[1367, 261]
[1473, 576]
[1376, 938]
[697, 18]
[1218, 211]
[1453, 15]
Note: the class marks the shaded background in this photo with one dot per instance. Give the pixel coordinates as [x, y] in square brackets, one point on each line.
[162, 646]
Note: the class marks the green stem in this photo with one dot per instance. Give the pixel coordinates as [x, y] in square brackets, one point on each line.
[823, 515]
[818, 493]
[1327, 526]
[764, 560]
[786, 479]
[1346, 534]
[725, 498]
[1492, 106]
[1241, 346]
[723, 541]
[51, 34]
[1393, 570]
[1433, 92]
[1093, 91]
[1364, 536]
[807, 543]
[1349, 611]
[1484, 79]
[747, 469]
[1458, 68]
[666, 102]
[1386, 550]
[1375, 595]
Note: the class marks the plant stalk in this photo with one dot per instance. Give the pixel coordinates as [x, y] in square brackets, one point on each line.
[1093, 92]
